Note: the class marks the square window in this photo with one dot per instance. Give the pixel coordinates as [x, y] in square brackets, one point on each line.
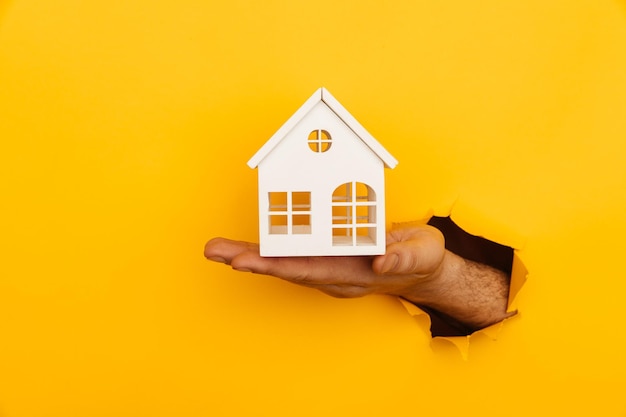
[289, 212]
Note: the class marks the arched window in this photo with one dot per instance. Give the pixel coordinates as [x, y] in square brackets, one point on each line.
[354, 215]
[319, 141]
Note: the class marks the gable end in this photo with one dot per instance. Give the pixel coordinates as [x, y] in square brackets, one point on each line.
[324, 96]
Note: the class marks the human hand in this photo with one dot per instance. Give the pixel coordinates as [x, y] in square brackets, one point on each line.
[412, 261]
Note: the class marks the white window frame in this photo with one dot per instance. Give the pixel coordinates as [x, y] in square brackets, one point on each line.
[290, 210]
[350, 221]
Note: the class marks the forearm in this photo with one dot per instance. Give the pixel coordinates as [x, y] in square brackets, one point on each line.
[471, 293]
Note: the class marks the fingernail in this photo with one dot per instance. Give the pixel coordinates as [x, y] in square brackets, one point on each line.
[391, 261]
[242, 269]
[217, 259]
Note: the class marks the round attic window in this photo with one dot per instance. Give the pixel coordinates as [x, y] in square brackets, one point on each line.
[319, 141]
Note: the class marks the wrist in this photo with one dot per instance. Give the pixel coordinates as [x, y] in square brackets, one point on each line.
[469, 293]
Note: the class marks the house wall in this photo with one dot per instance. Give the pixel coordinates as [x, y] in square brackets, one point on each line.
[293, 166]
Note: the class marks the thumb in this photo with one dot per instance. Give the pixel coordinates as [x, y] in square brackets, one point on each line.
[417, 251]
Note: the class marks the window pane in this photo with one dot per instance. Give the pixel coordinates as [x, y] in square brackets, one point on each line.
[363, 214]
[342, 193]
[342, 232]
[342, 215]
[301, 219]
[301, 224]
[314, 146]
[278, 201]
[364, 192]
[365, 236]
[362, 231]
[278, 224]
[301, 200]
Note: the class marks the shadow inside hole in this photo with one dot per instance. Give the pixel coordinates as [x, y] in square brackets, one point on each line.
[473, 248]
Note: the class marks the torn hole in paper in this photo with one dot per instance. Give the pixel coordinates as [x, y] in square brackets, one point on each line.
[478, 249]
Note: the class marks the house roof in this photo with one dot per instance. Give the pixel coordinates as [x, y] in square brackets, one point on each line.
[324, 96]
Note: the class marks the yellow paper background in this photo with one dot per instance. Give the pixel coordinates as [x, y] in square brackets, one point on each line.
[125, 128]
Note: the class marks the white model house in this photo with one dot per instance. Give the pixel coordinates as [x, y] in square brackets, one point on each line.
[321, 184]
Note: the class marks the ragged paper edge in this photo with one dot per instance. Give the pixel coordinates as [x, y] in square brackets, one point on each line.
[461, 343]
[423, 321]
